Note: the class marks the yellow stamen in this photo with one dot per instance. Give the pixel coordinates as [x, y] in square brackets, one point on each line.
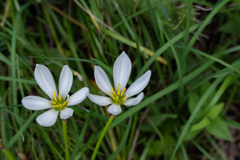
[55, 105]
[113, 90]
[64, 103]
[118, 92]
[124, 98]
[123, 91]
[112, 95]
[55, 96]
[53, 102]
[59, 97]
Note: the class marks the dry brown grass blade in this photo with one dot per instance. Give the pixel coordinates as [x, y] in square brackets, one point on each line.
[68, 17]
[137, 133]
[21, 155]
[5, 13]
[1, 145]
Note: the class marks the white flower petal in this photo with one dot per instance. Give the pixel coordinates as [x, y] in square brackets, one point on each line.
[114, 109]
[45, 80]
[139, 84]
[48, 118]
[66, 113]
[102, 80]
[134, 101]
[36, 103]
[78, 97]
[121, 71]
[65, 81]
[100, 100]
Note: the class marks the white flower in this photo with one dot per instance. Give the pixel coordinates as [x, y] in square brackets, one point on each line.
[58, 102]
[119, 95]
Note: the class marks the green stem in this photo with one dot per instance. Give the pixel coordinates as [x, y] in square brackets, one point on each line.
[64, 124]
[83, 132]
[101, 137]
[6, 151]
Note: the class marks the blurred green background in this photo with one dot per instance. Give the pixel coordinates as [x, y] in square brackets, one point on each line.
[190, 110]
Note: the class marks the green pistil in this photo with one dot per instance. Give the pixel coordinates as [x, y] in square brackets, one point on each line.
[118, 99]
[59, 103]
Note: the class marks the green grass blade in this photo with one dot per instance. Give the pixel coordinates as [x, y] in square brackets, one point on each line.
[145, 151]
[13, 61]
[123, 142]
[22, 129]
[83, 132]
[219, 92]
[194, 113]
[164, 11]
[134, 45]
[179, 68]
[212, 58]
[203, 25]
[203, 150]
[125, 22]
[153, 18]
[186, 34]
[164, 48]
[5, 59]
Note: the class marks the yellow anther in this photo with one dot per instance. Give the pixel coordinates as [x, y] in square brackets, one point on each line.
[123, 91]
[64, 103]
[124, 98]
[112, 95]
[55, 105]
[53, 102]
[118, 92]
[113, 90]
[55, 96]
[59, 97]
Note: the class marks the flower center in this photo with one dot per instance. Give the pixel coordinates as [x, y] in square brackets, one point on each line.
[118, 98]
[59, 103]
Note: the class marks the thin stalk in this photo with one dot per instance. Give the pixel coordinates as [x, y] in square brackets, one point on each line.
[6, 151]
[114, 145]
[101, 137]
[64, 124]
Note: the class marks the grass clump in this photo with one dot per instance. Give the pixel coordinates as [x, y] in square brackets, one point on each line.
[190, 109]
